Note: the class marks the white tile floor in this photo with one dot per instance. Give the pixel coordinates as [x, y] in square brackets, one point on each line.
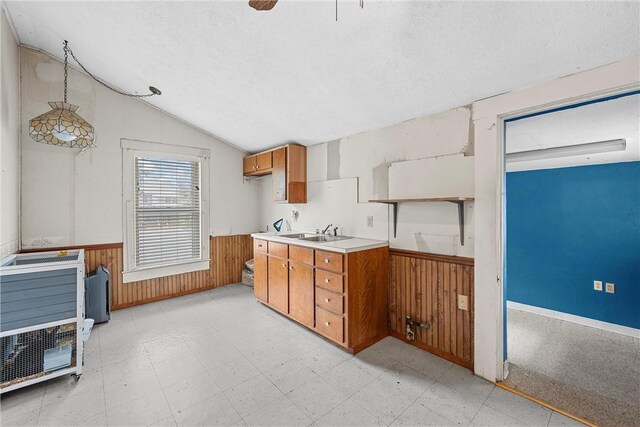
[221, 358]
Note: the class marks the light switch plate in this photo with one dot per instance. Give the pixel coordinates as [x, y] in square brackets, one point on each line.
[370, 221]
[463, 302]
[610, 288]
[597, 285]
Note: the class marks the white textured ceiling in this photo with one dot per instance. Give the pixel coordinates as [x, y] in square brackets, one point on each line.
[257, 79]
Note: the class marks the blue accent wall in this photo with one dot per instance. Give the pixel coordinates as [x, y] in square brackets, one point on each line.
[570, 226]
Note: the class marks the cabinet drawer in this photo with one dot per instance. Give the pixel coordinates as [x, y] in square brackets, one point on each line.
[331, 301]
[300, 254]
[330, 325]
[331, 281]
[279, 249]
[259, 245]
[329, 261]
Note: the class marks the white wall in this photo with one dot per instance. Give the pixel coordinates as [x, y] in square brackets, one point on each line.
[346, 173]
[72, 197]
[9, 139]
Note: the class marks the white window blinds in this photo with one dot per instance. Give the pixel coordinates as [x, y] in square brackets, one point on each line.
[167, 211]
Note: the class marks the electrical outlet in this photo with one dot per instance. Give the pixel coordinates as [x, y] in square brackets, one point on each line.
[610, 288]
[463, 302]
[597, 285]
[369, 221]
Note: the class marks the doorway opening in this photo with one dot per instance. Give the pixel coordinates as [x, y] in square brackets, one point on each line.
[571, 226]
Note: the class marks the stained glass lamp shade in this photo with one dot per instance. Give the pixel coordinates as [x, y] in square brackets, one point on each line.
[62, 126]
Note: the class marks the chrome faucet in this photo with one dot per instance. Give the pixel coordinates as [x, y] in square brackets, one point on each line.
[327, 228]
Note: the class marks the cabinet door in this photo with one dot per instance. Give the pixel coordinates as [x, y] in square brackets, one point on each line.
[279, 175]
[296, 174]
[301, 293]
[248, 165]
[260, 289]
[263, 161]
[278, 273]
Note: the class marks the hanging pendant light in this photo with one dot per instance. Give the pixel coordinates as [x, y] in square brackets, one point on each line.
[63, 126]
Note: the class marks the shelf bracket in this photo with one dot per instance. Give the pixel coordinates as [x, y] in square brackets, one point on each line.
[456, 200]
[395, 216]
[460, 219]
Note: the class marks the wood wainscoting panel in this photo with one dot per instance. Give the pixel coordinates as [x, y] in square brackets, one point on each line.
[228, 255]
[426, 288]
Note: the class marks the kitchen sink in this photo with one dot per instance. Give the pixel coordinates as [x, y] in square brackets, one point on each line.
[323, 238]
[293, 236]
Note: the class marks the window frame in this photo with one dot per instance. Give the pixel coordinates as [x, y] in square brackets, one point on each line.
[132, 149]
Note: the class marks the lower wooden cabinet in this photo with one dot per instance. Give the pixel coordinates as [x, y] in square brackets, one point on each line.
[278, 284]
[342, 297]
[301, 293]
[260, 276]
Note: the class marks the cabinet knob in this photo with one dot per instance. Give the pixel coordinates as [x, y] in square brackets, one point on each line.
[291, 267]
[284, 265]
[326, 300]
[254, 168]
[326, 323]
[326, 261]
[326, 280]
[258, 167]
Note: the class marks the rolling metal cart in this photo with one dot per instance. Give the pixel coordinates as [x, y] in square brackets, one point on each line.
[41, 317]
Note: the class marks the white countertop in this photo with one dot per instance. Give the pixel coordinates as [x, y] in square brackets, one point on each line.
[345, 246]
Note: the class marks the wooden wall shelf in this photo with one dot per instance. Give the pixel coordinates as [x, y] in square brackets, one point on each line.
[457, 200]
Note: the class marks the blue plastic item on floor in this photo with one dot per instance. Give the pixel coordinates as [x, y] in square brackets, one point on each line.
[57, 358]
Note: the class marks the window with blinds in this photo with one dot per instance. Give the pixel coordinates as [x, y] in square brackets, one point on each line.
[167, 207]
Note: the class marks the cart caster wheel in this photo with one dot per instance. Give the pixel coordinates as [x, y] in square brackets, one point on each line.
[76, 377]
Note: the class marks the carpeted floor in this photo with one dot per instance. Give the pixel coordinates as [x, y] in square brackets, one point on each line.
[588, 372]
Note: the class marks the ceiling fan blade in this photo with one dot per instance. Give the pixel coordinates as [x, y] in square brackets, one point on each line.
[262, 4]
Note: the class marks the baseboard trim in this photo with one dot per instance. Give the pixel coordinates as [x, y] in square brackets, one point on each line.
[585, 321]
[543, 403]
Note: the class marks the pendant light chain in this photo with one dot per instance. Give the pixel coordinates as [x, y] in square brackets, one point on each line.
[153, 90]
[66, 72]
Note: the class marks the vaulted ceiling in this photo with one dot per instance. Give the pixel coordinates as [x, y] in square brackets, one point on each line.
[257, 79]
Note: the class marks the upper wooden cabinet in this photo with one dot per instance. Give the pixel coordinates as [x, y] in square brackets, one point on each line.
[258, 164]
[288, 167]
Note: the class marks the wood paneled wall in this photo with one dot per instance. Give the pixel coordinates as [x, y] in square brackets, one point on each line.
[426, 287]
[227, 253]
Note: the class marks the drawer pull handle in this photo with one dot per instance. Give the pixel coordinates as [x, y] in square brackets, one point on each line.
[284, 265]
[326, 280]
[291, 267]
[326, 261]
[326, 323]
[326, 300]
